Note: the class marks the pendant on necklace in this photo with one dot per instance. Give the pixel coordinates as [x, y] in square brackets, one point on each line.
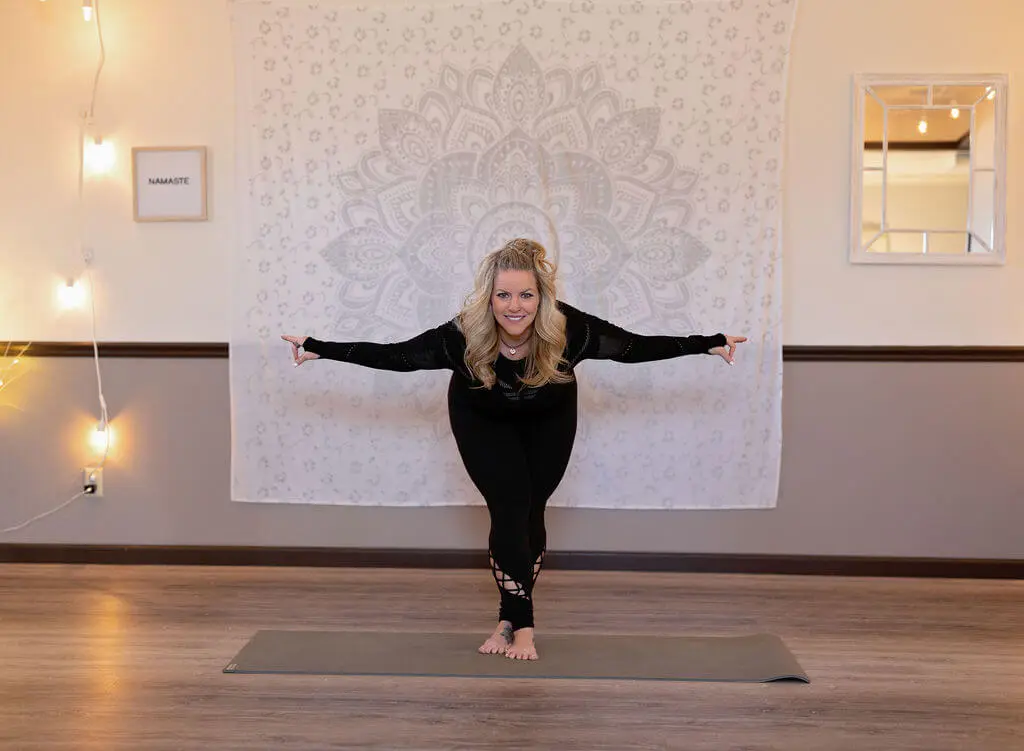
[511, 350]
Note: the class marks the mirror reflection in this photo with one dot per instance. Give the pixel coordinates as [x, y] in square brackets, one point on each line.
[928, 168]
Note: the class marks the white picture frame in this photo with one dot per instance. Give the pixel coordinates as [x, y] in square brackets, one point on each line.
[169, 184]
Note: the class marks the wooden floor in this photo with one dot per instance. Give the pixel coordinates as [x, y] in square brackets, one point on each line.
[112, 658]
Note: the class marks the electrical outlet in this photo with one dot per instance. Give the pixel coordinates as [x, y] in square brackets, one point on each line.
[92, 480]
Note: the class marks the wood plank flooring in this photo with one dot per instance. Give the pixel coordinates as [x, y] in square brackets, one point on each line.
[118, 658]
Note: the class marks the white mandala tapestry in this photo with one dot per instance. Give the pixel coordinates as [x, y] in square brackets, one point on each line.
[384, 148]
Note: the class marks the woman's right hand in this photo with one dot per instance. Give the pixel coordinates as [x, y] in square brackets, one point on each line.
[297, 342]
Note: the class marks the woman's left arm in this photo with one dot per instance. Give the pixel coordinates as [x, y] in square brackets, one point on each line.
[601, 340]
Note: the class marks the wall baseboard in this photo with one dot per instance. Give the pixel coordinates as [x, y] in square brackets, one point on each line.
[161, 555]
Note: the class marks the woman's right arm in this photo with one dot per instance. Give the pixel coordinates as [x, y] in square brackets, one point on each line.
[434, 349]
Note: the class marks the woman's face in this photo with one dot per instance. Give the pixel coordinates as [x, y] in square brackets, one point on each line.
[514, 301]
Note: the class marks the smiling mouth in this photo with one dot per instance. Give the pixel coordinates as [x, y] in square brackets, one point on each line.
[515, 318]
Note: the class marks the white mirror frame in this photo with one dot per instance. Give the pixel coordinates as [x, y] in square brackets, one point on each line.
[998, 254]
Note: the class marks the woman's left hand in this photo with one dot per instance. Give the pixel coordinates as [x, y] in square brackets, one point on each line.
[727, 352]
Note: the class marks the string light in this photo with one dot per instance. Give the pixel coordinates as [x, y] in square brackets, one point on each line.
[10, 372]
[922, 126]
[99, 156]
[954, 113]
[101, 438]
[71, 294]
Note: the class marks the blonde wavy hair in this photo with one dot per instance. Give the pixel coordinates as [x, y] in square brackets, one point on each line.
[478, 326]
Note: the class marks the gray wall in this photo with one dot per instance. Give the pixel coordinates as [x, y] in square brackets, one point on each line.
[879, 459]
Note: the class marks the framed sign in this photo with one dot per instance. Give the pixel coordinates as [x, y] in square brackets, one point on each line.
[169, 184]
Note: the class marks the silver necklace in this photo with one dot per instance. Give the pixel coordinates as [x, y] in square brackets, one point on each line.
[511, 349]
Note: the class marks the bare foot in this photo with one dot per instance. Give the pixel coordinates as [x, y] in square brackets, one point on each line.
[498, 642]
[522, 647]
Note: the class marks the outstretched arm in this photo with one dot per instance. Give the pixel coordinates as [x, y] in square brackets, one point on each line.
[601, 340]
[430, 350]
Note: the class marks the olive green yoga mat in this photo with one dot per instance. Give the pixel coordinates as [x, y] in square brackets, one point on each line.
[757, 658]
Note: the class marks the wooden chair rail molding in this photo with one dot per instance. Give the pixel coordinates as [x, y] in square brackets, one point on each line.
[790, 353]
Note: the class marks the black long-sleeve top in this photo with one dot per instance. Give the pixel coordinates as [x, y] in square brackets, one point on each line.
[443, 348]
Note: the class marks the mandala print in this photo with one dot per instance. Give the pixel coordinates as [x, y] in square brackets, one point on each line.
[385, 148]
[486, 156]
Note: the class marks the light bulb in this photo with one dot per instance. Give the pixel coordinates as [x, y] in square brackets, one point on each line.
[98, 156]
[954, 113]
[101, 437]
[922, 126]
[71, 294]
[991, 94]
[87, 10]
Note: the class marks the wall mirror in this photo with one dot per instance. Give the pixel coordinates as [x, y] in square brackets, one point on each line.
[929, 169]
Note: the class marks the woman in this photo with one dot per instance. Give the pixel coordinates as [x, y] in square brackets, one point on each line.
[512, 404]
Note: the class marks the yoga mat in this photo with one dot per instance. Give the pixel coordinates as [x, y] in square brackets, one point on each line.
[756, 658]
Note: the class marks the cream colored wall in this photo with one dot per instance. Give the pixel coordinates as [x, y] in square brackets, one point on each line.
[824, 295]
[168, 81]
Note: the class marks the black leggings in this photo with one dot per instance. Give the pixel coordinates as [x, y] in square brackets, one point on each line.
[516, 463]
